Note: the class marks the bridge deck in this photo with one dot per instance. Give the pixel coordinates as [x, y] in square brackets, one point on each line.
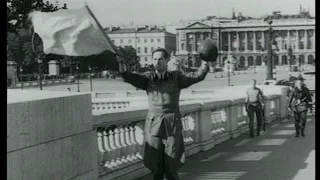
[277, 154]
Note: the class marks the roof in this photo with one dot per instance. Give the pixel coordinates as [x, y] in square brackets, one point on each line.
[136, 30]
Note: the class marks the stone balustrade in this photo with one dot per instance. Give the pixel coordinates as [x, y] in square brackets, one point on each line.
[206, 123]
[45, 82]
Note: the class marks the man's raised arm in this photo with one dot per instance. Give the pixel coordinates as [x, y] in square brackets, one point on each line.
[137, 80]
[186, 80]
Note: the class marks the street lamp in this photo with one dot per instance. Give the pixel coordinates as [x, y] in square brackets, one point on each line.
[300, 59]
[275, 48]
[77, 68]
[290, 59]
[228, 67]
[21, 70]
[269, 65]
[90, 72]
[40, 72]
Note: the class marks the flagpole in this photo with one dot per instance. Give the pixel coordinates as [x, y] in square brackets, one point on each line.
[100, 27]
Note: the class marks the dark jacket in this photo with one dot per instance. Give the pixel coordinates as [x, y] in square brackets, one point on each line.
[163, 98]
[299, 99]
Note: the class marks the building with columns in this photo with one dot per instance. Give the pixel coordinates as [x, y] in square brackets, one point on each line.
[144, 39]
[246, 39]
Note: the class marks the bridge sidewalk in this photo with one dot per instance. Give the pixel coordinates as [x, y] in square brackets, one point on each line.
[277, 155]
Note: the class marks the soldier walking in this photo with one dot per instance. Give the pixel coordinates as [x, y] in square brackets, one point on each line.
[164, 145]
[254, 104]
[299, 100]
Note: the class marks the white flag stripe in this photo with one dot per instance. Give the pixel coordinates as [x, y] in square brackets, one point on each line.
[70, 32]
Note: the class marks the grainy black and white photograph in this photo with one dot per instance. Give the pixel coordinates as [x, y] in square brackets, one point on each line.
[161, 89]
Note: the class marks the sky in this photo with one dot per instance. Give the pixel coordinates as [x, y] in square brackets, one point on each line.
[159, 12]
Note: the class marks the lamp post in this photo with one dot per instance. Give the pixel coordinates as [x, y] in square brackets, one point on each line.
[290, 55]
[90, 72]
[269, 65]
[21, 70]
[300, 59]
[275, 48]
[254, 66]
[40, 72]
[77, 68]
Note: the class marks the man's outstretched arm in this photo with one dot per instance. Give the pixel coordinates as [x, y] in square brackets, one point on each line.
[186, 80]
[137, 80]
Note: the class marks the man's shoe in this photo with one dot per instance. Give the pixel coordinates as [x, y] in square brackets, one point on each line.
[303, 134]
[297, 135]
[251, 135]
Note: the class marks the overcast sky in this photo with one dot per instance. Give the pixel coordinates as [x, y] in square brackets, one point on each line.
[116, 12]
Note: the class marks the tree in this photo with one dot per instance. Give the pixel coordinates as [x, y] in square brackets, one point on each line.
[132, 60]
[20, 46]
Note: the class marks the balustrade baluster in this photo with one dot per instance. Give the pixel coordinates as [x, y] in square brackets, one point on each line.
[117, 138]
[132, 135]
[111, 140]
[100, 142]
[127, 134]
[114, 105]
[106, 141]
[122, 137]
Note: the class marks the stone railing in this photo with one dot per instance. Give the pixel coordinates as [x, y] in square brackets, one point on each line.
[45, 82]
[206, 123]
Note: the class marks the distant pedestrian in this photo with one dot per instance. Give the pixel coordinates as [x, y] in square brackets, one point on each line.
[299, 100]
[254, 104]
[69, 89]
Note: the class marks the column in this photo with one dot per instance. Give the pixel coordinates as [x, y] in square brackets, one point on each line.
[254, 41]
[314, 40]
[246, 62]
[305, 39]
[263, 41]
[194, 41]
[229, 42]
[297, 39]
[246, 41]
[201, 36]
[238, 41]
[288, 39]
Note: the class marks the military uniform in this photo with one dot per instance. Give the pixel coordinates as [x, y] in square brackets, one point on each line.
[299, 102]
[164, 145]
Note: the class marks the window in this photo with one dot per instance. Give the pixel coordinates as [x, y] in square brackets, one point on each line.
[158, 40]
[145, 40]
[145, 50]
[182, 46]
[129, 40]
[139, 50]
[138, 40]
[121, 40]
[151, 40]
[146, 58]
[151, 49]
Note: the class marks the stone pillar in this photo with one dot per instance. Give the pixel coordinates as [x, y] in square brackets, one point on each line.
[229, 42]
[254, 42]
[246, 41]
[53, 67]
[238, 41]
[246, 64]
[305, 39]
[202, 36]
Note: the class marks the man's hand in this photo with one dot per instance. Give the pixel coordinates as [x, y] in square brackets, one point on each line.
[247, 106]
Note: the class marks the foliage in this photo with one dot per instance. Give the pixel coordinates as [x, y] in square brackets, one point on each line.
[19, 45]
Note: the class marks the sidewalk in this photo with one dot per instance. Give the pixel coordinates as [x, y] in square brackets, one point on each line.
[275, 155]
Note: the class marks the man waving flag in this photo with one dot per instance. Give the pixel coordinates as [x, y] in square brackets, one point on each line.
[71, 32]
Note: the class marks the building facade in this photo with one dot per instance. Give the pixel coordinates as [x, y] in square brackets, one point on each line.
[144, 39]
[246, 39]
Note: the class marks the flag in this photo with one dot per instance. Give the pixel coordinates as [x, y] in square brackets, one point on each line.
[71, 32]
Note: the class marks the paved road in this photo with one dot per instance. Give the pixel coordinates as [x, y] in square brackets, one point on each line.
[275, 155]
[211, 82]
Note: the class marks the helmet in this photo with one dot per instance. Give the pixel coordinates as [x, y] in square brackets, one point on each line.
[208, 50]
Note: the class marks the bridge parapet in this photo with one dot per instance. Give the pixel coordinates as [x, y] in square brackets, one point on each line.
[206, 123]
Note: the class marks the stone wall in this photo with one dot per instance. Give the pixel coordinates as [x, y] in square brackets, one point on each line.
[49, 136]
